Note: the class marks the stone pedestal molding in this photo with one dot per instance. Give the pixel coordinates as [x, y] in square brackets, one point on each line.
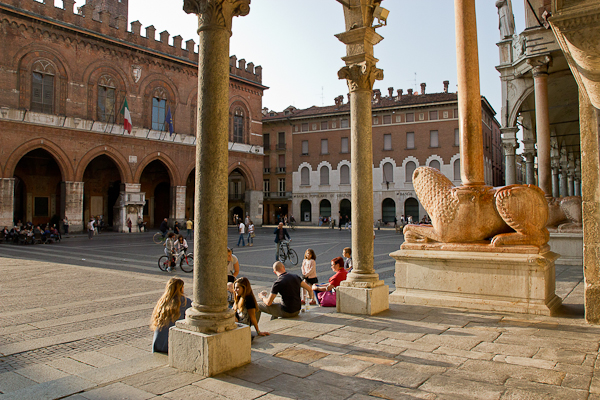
[208, 354]
[360, 72]
[512, 282]
[7, 198]
[569, 246]
[130, 204]
[209, 327]
[72, 205]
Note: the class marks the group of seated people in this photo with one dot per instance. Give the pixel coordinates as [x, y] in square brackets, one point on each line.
[292, 288]
[29, 234]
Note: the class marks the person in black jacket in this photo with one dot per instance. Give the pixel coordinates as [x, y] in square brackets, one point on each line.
[280, 234]
[164, 227]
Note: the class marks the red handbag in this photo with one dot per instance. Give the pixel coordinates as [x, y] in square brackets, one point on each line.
[326, 299]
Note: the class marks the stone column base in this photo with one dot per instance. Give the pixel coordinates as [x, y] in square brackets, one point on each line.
[569, 246]
[362, 300]
[209, 354]
[514, 282]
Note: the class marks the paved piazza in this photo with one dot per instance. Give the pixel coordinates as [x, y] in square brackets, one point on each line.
[74, 324]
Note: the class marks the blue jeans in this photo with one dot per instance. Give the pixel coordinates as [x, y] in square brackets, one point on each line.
[241, 239]
[250, 240]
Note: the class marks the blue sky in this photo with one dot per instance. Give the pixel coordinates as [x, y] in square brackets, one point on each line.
[294, 42]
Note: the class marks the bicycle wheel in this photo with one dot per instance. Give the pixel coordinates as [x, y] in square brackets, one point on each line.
[282, 253]
[293, 257]
[157, 238]
[163, 263]
[187, 263]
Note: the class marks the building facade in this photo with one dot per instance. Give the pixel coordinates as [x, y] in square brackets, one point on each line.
[409, 130]
[65, 77]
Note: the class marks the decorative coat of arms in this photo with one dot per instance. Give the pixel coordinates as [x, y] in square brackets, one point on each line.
[136, 72]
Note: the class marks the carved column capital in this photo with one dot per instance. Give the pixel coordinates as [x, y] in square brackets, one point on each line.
[509, 147]
[361, 76]
[539, 65]
[216, 14]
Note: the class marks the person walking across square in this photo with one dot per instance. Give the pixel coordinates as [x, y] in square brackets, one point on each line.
[241, 231]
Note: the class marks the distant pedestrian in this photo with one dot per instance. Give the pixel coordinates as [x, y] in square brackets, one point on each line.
[347, 253]
[176, 228]
[140, 224]
[66, 225]
[251, 233]
[189, 225]
[241, 231]
[90, 227]
[129, 224]
[164, 227]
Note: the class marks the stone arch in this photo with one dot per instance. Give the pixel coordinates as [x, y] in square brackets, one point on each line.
[512, 117]
[148, 87]
[239, 103]
[29, 58]
[61, 158]
[113, 154]
[305, 164]
[246, 171]
[188, 170]
[93, 75]
[169, 165]
[435, 157]
[387, 160]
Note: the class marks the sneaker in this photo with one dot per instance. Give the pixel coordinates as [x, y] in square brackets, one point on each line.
[169, 269]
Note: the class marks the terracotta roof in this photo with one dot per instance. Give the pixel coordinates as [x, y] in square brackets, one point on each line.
[384, 102]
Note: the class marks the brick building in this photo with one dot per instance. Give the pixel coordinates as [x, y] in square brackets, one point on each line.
[308, 169]
[64, 77]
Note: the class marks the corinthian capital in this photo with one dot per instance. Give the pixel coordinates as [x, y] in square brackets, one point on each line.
[540, 65]
[361, 76]
[216, 14]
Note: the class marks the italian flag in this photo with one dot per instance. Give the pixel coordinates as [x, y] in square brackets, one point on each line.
[126, 117]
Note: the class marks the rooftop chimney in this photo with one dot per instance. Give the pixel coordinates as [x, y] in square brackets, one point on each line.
[409, 91]
[377, 95]
[400, 91]
[391, 92]
[446, 84]
[423, 85]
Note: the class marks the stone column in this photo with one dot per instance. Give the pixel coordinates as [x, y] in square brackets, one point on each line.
[555, 180]
[209, 341]
[577, 178]
[564, 168]
[7, 202]
[542, 122]
[590, 171]
[72, 205]
[510, 145]
[529, 154]
[177, 212]
[469, 99]
[363, 292]
[254, 205]
[571, 175]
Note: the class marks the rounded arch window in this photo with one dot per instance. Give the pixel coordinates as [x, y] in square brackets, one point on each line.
[388, 173]
[410, 169]
[238, 125]
[159, 108]
[435, 164]
[457, 170]
[106, 99]
[305, 176]
[345, 175]
[42, 87]
[306, 210]
[324, 175]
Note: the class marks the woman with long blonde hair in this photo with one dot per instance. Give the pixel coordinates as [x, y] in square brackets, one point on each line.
[245, 306]
[170, 307]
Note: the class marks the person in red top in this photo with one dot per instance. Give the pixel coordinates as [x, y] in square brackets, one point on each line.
[337, 266]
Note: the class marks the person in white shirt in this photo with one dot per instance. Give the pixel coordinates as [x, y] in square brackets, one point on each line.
[241, 231]
[251, 234]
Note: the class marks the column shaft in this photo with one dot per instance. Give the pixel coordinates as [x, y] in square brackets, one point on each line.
[529, 169]
[362, 194]
[7, 200]
[209, 311]
[555, 183]
[177, 212]
[542, 121]
[469, 97]
[564, 191]
[72, 205]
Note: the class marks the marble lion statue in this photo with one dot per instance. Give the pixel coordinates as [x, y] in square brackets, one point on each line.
[565, 214]
[510, 215]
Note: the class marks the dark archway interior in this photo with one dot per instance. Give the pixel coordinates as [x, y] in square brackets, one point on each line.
[101, 189]
[156, 183]
[37, 188]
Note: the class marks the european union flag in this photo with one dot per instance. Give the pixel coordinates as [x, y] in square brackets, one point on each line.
[169, 121]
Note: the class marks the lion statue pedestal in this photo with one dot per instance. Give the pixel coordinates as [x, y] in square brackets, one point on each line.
[485, 249]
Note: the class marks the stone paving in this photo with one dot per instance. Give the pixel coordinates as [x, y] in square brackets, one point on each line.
[81, 332]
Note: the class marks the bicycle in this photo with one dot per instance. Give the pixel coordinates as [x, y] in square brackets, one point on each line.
[285, 252]
[292, 225]
[159, 237]
[186, 264]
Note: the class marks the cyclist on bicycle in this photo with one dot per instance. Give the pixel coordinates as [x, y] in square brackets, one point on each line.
[164, 227]
[170, 250]
[181, 247]
[280, 234]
